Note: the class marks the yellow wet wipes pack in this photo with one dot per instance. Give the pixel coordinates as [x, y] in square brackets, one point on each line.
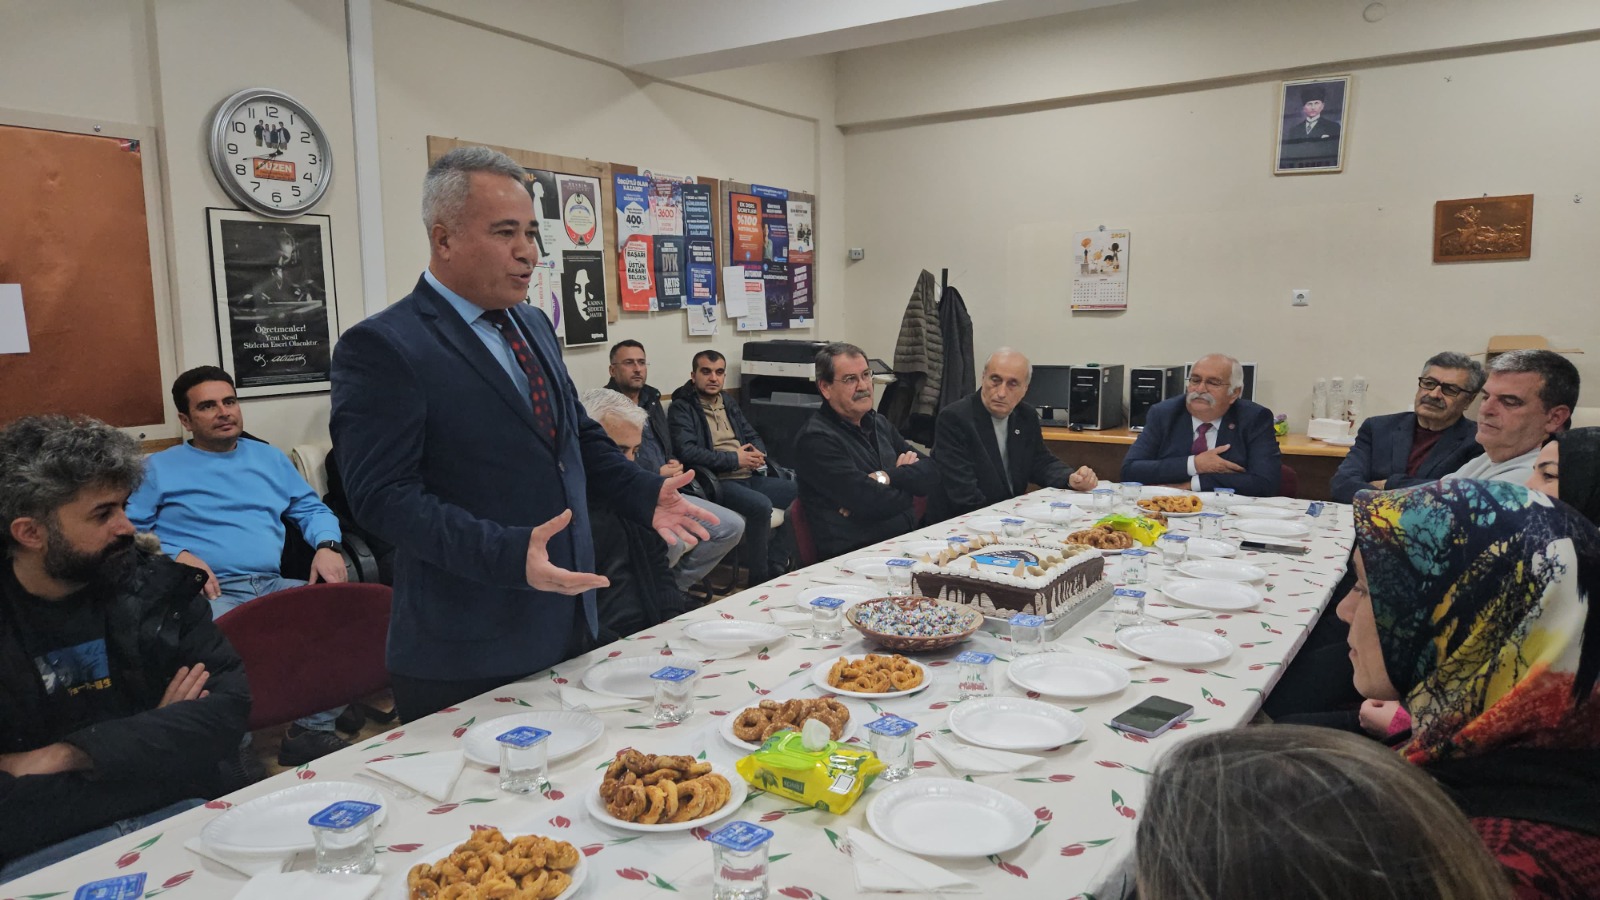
[830, 778]
[1140, 528]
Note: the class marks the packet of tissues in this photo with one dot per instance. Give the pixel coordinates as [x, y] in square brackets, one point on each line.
[1141, 528]
[807, 767]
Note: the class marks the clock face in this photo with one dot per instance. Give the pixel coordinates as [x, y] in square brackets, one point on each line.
[269, 153]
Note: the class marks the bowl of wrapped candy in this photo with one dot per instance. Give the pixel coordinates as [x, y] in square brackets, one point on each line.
[910, 624]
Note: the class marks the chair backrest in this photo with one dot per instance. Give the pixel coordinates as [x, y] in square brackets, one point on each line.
[1291, 482]
[803, 544]
[307, 649]
[311, 461]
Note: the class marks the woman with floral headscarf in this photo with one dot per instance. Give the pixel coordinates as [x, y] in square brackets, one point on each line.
[1471, 606]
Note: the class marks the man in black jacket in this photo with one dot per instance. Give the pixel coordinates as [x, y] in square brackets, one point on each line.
[858, 477]
[710, 433]
[118, 697]
[989, 446]
[1406, 449]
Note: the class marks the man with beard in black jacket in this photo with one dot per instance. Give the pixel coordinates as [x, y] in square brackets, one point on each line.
[858, 477]
[118, 697]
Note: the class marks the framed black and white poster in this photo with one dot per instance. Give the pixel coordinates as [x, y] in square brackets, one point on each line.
[1313, 122]
[272, 281]
[583, 295]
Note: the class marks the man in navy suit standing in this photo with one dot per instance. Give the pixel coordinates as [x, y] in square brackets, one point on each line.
[462, 442]
[1209, 437]
[1406, 449]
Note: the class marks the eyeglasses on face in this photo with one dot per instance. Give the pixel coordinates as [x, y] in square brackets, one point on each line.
[1449, 390]
[853, 380]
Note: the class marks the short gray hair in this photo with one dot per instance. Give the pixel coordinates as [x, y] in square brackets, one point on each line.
[1008, 351]
[833, 351]
[46, 460]
[603, 403]
[1450, 359]
[1560, 376]
[1235, 371]
[449, 180]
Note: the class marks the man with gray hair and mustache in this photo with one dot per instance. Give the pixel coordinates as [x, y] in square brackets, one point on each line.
[1406, 449]
[1210, 437]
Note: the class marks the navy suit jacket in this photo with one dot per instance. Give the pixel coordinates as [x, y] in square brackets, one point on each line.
[440, 457]
[1161, 454]
[1383, 444]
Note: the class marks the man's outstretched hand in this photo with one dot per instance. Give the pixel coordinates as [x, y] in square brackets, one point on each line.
[677, 519]
[547, 576]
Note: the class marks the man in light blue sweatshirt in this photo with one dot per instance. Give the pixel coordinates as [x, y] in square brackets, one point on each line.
[218, 503]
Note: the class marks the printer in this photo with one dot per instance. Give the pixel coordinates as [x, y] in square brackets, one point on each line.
[778, 391]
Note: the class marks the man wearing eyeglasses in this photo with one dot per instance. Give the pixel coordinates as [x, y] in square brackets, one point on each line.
[1210, 437]
[859, 479]
[1528, 397]
[1411, 448]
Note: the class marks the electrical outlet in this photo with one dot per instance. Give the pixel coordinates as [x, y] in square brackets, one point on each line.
[1301, 296]
[858, 253]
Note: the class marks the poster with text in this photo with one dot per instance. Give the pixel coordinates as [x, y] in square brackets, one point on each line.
[547, 210]
[580, 211]
[1100, 269]
[544, 292]
[583, 293]
[775, 279]
[744, 222]
[800, 314]
[666, 208]
[774, 222]
[802, 246]
[701, 302]
[697, 212]
[670, 268]
[753, 293]
[637, 281]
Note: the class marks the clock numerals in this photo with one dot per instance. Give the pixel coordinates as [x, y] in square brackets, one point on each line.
[269, 156]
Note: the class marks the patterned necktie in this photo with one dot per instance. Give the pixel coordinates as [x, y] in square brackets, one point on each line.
[1199, 445]
[538, 386]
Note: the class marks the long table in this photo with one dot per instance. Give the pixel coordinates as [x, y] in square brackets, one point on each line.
[1314, 462]
[1086, 797]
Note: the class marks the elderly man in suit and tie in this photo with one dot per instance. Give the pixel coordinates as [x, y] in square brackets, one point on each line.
[462, 442]
[1411, 448]
[1209, 437]
[988, 445]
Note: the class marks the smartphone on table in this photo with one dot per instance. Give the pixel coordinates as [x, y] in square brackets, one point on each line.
[1152, 717]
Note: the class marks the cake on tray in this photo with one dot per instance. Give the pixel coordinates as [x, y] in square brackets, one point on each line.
[1002, 577]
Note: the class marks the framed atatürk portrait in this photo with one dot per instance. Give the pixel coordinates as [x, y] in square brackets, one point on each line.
[1313, 125]
[272, 281]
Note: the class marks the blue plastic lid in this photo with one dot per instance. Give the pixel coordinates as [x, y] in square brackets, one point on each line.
[1027, 621]
[344, 814]
[1136, 552]
[1175, 538]
[900, 563]
[1315, 509]
[1211, 515]
[523, 737]
[122, 887]
[1229, 491]
[1104, 491]
[1128, 592]
[1060, 504]
[1129, 484]
[673, 673]
[890, 725]
[740, 836]
[827, 602]
[977, 657]
[1010, 520]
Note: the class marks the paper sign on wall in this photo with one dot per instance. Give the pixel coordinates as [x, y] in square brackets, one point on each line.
[13, 323]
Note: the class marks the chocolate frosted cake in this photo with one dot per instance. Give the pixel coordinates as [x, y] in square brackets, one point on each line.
[1004, 577]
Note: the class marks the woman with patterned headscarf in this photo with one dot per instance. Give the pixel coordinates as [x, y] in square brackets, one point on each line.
[1471, 607]
[1569, 468]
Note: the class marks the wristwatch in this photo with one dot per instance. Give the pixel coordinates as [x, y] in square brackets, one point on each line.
[880, 477]
[335, 546]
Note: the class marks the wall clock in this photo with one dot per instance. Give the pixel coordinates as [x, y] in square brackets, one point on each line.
[269, 153]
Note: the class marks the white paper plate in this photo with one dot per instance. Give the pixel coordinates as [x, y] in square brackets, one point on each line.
[570, 732]
[1210, 548]
[1272, 528]
[1221, 570]
[983, 525]
[733, 633]
[629, 676]
[1262, 511]
[1223, 596]
[736, 796]
[1042, 513]
[1067, 676]
[1177, 515]
[1174, 644]
[819, 677]
[914, 549]
[868, 566]
[1012, 723]
[946, 817]
[396, 889]
[851, 594]
[276, 824]
[852, 729]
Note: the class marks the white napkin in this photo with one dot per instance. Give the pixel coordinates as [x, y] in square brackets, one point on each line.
[682, 646]
[793, 620]
[1168, 614]
[979, 760]
[880, 867]
[433, 774]
[573, 697]
[277, 885]
[244, 865]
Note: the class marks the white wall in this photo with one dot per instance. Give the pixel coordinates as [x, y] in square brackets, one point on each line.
[1218, 242]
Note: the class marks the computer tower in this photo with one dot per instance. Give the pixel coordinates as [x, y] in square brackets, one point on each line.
[1149, 385]
[1249, 392]
[1096, 400]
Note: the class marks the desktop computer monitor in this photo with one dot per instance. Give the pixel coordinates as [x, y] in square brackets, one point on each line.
[1050, 391]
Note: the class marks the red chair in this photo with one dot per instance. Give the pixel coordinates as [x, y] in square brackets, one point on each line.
[804, 545]
[1291, 482]
[311, 648]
